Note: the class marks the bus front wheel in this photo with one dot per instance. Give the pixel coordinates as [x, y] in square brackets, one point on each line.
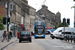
[35, 37]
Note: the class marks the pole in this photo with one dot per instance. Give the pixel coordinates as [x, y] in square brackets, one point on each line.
[74, 15]
[64, 26]
[14, 30]
[7, 14]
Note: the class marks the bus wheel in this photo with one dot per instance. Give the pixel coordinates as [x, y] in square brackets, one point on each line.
[35, 37]
[30, 40]
[43, 37]
[19, 41]
[52, 37]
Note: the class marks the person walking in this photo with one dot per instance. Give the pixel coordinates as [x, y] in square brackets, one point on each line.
[10, 35]
[5, 36]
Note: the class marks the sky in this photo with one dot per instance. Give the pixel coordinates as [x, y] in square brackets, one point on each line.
[63, 6]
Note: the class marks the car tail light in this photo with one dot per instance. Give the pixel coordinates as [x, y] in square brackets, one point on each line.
[30, 35]
[18, 34]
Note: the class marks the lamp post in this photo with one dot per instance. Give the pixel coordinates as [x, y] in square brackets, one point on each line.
[14, 29]
[74, 13]
[7, 14]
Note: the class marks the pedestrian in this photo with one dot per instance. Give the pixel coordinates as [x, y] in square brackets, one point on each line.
[5, 36]
[10, 35]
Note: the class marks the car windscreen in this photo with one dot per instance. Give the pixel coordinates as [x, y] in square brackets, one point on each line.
[25, 33]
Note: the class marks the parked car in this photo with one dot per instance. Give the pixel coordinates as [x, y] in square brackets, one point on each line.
[59, 32]
[25, 36]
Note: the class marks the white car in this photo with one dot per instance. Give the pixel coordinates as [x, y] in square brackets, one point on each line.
[59, 32]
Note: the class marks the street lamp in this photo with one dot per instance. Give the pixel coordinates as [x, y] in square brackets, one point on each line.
[7, 7]
[74, 13]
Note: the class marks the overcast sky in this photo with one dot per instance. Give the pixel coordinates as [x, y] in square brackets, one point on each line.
[63, 6]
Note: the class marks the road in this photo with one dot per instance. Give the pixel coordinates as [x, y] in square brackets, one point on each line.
[41, 44]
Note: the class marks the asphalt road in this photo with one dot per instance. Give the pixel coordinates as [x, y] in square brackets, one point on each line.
[41, 44]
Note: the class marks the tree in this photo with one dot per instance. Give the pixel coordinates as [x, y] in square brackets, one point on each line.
[60, 25]
[56, 26]
[1, 26]
[1, 20]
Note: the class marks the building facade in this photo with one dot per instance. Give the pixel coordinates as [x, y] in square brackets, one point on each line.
[20, 12]
[49, 17]
[58, 18]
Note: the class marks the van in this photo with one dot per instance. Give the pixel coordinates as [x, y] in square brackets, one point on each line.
[60, 32]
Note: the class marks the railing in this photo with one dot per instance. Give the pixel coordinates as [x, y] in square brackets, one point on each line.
[70, 38]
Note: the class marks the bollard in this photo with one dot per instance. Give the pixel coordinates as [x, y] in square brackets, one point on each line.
[71, 39]
[74, 39]
[68, 38]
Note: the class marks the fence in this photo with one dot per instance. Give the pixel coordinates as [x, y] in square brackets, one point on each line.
[70, 38]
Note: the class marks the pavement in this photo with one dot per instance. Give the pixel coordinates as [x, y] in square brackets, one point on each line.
[5, 43]
[41, 44]
[69, 42]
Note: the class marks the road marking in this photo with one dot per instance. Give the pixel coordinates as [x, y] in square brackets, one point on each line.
[4, 49]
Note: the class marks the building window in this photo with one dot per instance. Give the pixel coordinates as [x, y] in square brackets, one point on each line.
[11, 13]
[11, 6]
[40, 13]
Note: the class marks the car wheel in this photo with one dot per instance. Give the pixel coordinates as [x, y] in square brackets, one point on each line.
[61, 38]
[30, 40]
[56, 38]
[44, 37]
[19, 41]
[48, 32]
[52, 37]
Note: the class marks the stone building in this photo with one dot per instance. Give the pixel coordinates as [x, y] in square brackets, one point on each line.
[29, 16]
[20, 12]
[58, 18]
[2, 2]
[50, 18]
[25, 14]
[2, 8]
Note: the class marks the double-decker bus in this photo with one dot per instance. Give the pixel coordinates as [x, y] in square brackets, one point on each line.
[39, 29]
